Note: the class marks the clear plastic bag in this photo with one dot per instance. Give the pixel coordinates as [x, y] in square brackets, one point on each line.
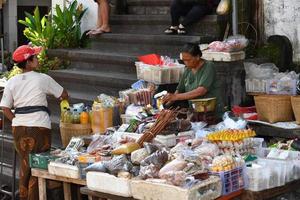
[263, 71]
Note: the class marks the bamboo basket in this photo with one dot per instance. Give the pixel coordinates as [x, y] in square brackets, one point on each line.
[296, 107]
[274, 108]
[68, 130]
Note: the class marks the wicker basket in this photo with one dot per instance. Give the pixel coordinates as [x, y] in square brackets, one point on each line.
[68, 130]
[274, 108]
[296, 107]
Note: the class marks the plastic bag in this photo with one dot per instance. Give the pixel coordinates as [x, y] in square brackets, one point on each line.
[158, 159]
[174, 165]
[236, 43]
[150, 171]
[139, 155]
[263, 71]
[99, 142]
[126, 148]
[207, 149]
[231, 122]
[96, 167]
[175, 177]
[117, 164]
[223, 7]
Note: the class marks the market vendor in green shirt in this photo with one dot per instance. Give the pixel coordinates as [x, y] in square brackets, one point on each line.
[199, 79]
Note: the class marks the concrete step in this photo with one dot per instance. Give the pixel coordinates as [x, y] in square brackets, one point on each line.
[93, 82]
[153, 7]
[93, 60]
[210, 25]
[140, 44]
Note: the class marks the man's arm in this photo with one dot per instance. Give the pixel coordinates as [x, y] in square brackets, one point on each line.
[64, 95]
[8, 113]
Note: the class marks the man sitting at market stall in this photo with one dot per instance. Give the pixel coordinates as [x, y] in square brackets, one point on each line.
[199, 80]
[31, 124]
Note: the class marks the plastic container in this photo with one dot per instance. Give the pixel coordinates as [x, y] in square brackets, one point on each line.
[106, 183]
[102, 118]
[205, 190]
[232, 180]
[204, 105]
[281, 87]
[63, 170]
[256, 85]
[223, 56]
[159, 74]
[40, 160]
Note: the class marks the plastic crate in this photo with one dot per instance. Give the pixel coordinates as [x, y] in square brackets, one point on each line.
[159, 74]
[40, 160]
[232, 180]
[281, 87]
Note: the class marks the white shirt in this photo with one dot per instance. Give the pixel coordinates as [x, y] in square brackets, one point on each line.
[30, 89]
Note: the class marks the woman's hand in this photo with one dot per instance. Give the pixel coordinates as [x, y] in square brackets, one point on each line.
[169, 98]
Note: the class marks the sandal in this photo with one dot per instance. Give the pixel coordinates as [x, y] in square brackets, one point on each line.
[172, 30]
[181, 31]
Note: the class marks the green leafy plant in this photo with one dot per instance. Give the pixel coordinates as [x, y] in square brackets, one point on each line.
[60, 30]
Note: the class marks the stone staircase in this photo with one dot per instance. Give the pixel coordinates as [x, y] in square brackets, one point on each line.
[107, 65]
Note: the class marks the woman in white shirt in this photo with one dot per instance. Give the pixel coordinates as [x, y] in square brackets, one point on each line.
[31, 124]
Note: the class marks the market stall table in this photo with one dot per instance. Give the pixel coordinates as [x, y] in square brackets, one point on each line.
[43, 175]
[262, 129]
[93, 195]
[271, 193]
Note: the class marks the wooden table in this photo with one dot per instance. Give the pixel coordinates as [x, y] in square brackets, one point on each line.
[93, 195]
[43, 175]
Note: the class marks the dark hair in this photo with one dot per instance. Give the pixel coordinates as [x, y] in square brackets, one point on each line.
[192, 48]
[22, 64]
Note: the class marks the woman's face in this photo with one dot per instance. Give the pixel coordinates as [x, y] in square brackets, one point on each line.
[189, 60]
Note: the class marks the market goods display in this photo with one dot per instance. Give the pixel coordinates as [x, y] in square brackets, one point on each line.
[231, 135]
[164, 118]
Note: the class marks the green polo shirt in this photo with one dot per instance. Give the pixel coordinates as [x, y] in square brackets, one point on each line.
[205, 77]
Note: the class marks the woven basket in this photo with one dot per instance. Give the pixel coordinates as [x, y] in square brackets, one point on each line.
[274, 108]
[68, 130]
[296, 107]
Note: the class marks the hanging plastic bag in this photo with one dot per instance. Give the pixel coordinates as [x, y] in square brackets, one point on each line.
[223, 7]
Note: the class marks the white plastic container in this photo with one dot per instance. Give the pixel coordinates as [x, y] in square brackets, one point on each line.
[159, 74]
[223, 56]
[106, 183]
[205, 190]
[256, 85]
[63, 170]
[288, 87]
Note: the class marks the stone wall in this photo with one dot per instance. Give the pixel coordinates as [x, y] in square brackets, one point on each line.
[282, 17]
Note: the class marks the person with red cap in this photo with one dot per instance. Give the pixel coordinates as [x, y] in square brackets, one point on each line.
[31, 124]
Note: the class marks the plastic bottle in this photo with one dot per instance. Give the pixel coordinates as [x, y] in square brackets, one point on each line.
[67, 118]
[76, 117]
[63, 111]
[84, 117]
[64, 104]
